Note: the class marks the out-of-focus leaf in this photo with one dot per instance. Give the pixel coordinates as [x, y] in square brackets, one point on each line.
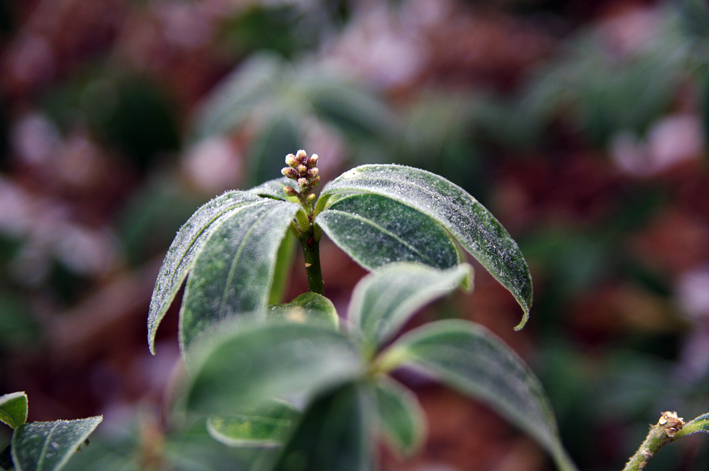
[279, 138]
[246, 364]
[375, 230]
[47, 446]
[355, 112]
[232, 101]
[181, 254]
[13, 409]
[334, 434]
[401, 416]
[468, 221]
[472, 360]
[282, 27]
[265, 425]
[233, 272]
[386, 298]
[308, 307]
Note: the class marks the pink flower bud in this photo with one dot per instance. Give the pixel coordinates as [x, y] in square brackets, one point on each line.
[291, 160]
[312, 161]
[289, 172]
[303, 182]
[315, 181]
[302, 156]
[313, 172]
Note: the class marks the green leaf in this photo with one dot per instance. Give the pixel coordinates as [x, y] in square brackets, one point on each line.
[308, 307]
[13, 409]
[334, 434]
[234, 271]
[401, 416]
[467, 220]
[385, 299]
[47, 446]
[273, 188]
[244, 365]
[264, 426]
[284, 263]
[375, 230]
[183, 250]
[469, 358]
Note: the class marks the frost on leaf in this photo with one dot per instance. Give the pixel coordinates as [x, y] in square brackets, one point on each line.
[463, 216]
[184, 248]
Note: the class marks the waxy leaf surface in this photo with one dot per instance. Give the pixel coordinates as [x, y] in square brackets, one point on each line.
[400, 415]
[375, 230]
[266, 425]
[183, 250]
[472, 360]
[385, 299]
[244, 366]
[233, 273]
[467, 220]
[47, 446]
[334, 434]
[13, 409]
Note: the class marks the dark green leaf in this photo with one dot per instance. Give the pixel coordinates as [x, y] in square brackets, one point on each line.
[375, 230]
[386, 298]
[401, 416]
[13, 409]
[246, 364]
[265, 425]
[284, 263]
[308, 307]
[233, 273]
[183, 250]
[472, 360]
[452, 207]
[47, 446]
[334, 434]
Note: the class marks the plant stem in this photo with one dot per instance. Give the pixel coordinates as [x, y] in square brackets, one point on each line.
[662, 433]
[311, 252]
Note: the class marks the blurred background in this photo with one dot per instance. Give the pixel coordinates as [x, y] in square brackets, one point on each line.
[580, 124]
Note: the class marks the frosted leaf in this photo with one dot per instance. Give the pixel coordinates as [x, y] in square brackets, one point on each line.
[47, 446]
[375, 230]
[386, 298]
[184, 248]
[468, 221]
[272, 188]
[469, 358]
[233, 272]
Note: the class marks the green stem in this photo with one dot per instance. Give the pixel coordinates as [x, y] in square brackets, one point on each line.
[311, 252]
[664, 432]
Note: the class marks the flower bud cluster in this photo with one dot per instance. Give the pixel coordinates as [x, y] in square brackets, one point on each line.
[303, 170]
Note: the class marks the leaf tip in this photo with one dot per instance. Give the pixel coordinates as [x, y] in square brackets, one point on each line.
[524, 320]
